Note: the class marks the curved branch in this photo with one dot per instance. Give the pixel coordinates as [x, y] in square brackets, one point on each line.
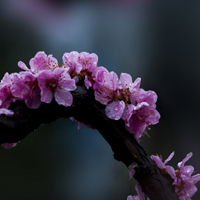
[89, 111]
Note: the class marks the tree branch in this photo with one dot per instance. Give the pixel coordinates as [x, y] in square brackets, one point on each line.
[89, 111]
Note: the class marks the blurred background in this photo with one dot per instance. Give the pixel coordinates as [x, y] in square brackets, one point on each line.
[153, 39]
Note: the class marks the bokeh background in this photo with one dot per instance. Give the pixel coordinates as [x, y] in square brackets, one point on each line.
[153, 39]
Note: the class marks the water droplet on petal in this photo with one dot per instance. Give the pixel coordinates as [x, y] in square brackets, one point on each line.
[117, 117]
[116, 108]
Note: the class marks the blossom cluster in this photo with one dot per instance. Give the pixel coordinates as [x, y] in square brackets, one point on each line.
[183, 180]
[46, 79]
[123, 99]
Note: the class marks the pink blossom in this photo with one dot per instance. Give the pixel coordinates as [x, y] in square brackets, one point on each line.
[105, 91]
[140, 108]
[141, 95]
[136, 85]
[25, 87]
[124, 99]
[99, 75]
[128, 113]
[111, 80]
[97, 79]
[183, 180]
[80, 61]
[136, 127]
[88, 61]
[81, 65]
[69, 57]
[6, 96]
[56, 83]
[148, 114]
[70, 61]
[162, 165]
[125, 81]
[42, 62]
[143, 109]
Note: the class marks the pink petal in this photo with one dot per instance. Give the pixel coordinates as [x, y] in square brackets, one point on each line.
[171, 171]
[88, 84]
[63, 97]
[158, 161]
[33, 102]
[169, 157]
[46, 96]
[135, 85]
[188, 156]
[39, 61]
[125, 81]
[22, 66]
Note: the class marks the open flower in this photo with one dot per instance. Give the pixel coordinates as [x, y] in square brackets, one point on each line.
[105, 91]
[25, 87]
[56, 83]
[40, 62]
[6, 96]
[70, 62]
[77, 62]
[87, 60]
[185, 182]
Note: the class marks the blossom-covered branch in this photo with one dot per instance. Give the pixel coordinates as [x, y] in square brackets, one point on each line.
[91, 95]
[86, 109]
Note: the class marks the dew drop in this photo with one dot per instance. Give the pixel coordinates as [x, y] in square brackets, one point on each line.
[116, 108]
[117, 117]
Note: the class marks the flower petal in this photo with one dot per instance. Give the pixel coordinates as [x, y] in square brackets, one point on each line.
[63, 97]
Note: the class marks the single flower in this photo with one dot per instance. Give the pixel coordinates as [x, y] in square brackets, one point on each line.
[58, 84]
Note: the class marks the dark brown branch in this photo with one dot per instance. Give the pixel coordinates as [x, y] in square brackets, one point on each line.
[155, 184]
